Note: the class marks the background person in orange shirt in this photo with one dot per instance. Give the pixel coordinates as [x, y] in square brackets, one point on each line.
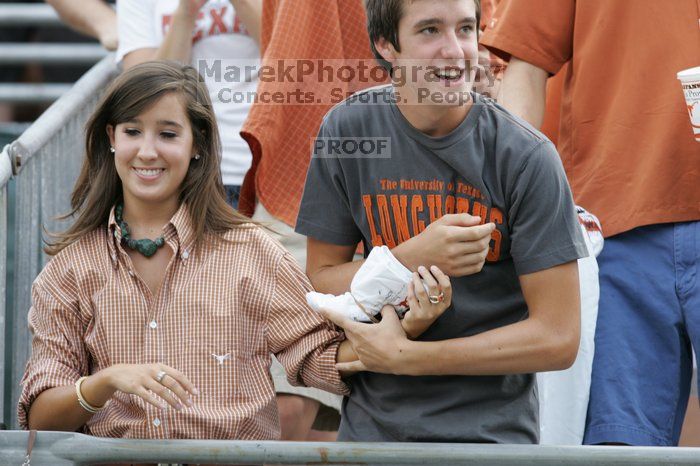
[627, 147]
[563, 395]
[330, 34]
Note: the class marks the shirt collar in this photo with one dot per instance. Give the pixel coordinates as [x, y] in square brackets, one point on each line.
[182, 224]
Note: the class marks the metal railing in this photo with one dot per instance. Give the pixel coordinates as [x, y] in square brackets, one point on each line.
[14, 53]
[48, 156]
[32, 93]
[62, 448]
[39, 15]
[20, 14]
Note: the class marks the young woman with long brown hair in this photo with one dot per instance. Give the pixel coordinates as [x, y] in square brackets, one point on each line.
[171, 336]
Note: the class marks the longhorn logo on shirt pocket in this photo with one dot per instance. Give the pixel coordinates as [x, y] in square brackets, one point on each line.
[212, 368]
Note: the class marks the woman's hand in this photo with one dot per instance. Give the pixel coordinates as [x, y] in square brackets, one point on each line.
[423, 312]
[143, 380]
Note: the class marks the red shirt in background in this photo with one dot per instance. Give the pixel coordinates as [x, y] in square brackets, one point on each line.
[281, 135]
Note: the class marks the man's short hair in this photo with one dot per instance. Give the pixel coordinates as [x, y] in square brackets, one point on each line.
[383, 18]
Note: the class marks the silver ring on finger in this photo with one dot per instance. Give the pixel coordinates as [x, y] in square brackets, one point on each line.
[436, 299]
[159, 376]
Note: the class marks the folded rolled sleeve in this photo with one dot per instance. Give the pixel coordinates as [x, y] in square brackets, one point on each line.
[302, 340]
[59, 356]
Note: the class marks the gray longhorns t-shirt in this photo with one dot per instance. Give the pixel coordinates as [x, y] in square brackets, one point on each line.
[376, 179]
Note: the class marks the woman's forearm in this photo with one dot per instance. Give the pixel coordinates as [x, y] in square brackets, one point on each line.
[58, 408]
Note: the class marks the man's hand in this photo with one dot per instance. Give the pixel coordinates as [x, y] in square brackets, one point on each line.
[379, 347]
[457, 243]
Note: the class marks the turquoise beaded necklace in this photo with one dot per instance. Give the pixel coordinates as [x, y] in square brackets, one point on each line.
[146, 246]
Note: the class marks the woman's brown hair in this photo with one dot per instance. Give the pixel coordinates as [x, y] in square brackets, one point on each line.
[99, 187]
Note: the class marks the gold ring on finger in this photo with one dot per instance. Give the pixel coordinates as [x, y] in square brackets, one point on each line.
[436, 299]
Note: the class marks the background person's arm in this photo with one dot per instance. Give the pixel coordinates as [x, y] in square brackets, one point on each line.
[547, 340]
[250, 12]
[523, 91]
[177, 44]
[94, 18]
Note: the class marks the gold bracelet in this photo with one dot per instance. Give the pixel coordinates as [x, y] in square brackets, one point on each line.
[84, 404]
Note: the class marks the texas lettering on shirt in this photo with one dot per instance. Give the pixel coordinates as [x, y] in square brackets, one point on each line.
[214, 18]
[403, 208]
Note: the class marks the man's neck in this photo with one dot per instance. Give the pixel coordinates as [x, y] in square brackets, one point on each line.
[435, 120]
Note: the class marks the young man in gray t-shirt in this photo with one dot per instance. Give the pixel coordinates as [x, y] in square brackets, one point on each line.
[463, 186]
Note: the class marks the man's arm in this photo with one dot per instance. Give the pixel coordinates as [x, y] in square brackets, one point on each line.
[456, 243]
[547, 340]
[523, 91]
[330, 267]
[91, 17]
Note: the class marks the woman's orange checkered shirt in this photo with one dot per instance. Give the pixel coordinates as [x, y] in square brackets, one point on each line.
[222, 309]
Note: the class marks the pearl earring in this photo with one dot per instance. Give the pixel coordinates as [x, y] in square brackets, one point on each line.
[196, 156]
[111, 149]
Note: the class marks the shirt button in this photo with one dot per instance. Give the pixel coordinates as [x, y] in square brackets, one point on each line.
[131, 273]
[156, 422]
[116, 234]
[153, 324]
[185, 254]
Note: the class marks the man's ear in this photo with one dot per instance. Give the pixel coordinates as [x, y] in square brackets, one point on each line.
[386, 49]
[110, 134]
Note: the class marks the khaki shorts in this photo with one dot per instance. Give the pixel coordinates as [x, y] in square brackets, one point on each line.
[296, 245]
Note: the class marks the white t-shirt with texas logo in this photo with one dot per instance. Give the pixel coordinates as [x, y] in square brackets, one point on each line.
[220, 42]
